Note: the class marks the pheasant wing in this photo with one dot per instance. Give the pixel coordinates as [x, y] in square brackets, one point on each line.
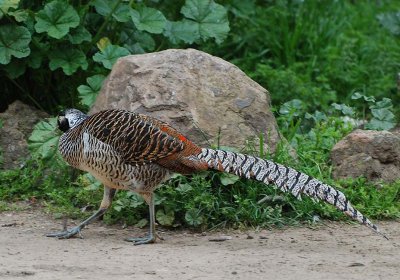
[137, 138]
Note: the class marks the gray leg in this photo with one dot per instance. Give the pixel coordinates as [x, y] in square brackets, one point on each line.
[105, 204]
[151, 238]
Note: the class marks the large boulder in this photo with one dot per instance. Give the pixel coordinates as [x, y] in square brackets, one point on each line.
[371, 154]
[18, 122]
[206, 98]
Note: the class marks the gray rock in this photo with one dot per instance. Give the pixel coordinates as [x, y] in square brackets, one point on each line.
[18, 122]
[203, 96]
[372, 154]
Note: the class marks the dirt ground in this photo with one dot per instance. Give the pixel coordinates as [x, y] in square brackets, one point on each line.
[332, 251]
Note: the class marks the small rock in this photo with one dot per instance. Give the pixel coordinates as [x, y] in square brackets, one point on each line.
[220, 238]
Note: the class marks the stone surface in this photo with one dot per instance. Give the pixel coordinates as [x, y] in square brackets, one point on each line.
[372, 154]
[206, 98]
[18, 122]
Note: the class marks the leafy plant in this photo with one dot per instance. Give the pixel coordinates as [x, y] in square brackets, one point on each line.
[381, 111]
[75, 36]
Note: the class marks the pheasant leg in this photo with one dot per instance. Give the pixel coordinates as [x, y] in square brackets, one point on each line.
[151, 237]
[105, 204]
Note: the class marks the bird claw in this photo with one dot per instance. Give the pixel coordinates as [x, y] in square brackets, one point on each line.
[66, 233]
[142, 240]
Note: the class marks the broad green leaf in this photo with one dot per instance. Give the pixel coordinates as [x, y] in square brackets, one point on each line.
[136, 41]
[317, 116]
[20, 15]
[384, 103]
[79, 35]
[165, 218]
[103, 43]
[183, 188]
[390, 21]
[193, 217]
[228, 179]
[383, 114]
[16, 68]
[293, 107]
[56, 18]
[358, 95]
[110, 55]
[376, 124]
[14, 41]
[135, 200]
[184, 30]
[68, 59]
[210, 19]
[5, 5]
[43, 141]
[120, 11]
[148, 19]
[142, 223]
[88, 93]
[346, 110]
[88, 181]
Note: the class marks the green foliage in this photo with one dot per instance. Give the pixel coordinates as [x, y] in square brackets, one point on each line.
[88, 93]
[43, 141]
[75, 36]
[14, 41]
[109, 55]
[56, 19]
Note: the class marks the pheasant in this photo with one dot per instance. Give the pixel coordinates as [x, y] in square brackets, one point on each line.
[130, 151]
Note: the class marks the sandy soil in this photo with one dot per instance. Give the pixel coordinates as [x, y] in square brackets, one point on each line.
[333, 251]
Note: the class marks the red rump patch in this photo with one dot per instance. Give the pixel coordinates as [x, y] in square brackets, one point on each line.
[166, 129]
[181, 137]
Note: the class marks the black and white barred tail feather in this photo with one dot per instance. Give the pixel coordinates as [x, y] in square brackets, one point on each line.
[285, 178]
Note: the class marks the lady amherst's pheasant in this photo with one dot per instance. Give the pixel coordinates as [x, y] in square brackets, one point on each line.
[130, 151]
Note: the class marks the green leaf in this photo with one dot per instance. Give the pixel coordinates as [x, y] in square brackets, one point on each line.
[5, 5]
[390, 21]
[14, 41]
[228, 179]
[89, 182]
[358, 95]
[293, 107]
[142, 223]
[184, 30]
[20, 15]
[68, 59]
[384, 103]
[136, 41]
[317, 116]
[346, 110]
[79, 35]
[383, 119]
[106, 7]
[193, 217]
[43, 141]
[16, 68]
[183, 188]
[56, 18]
[135, 200]
[148, 19]
[383, 114]
[110, 55]
[210, 19]
[88, 93]
[165, 218]
[376, 124]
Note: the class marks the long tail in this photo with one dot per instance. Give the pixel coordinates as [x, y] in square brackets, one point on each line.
[285, 178]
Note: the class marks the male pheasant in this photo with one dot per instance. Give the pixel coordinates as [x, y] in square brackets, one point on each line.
[130, 151]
